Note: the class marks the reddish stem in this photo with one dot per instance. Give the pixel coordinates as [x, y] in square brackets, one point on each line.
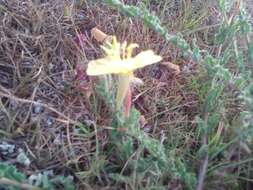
[127, 103]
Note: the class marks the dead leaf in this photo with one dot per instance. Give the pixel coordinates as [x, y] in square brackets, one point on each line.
[142, 120]
[99, 35]
[172, 66]
[82, 80]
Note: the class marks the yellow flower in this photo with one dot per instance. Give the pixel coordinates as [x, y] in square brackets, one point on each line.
[119, 60]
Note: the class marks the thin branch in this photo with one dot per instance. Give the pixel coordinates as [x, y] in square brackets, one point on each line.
[203, 168]
[7, 94]
[6, 181]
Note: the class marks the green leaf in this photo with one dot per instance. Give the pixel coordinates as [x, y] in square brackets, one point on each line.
[63, 182]
[225, 5]
[195, 52]
[211, 99]
[250, 52]
[10, 172]
[213, 121]
[202, 151]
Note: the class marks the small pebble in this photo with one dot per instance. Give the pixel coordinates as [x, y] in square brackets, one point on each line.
[6, 148]
[49, 121]
[22, 158]
[37, 108]
[58, 140]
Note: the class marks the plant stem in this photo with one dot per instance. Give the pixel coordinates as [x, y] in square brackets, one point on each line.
[123, 87]
[6, 181]
[203, 168]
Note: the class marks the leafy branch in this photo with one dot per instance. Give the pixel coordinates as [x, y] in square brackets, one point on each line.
[11, 179]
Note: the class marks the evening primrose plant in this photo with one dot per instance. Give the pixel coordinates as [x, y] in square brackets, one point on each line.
[136, 150]
[119, 61]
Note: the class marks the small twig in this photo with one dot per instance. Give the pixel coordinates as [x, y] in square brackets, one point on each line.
[203, 168]
[7, 94]
[202, 173]
[6, 181]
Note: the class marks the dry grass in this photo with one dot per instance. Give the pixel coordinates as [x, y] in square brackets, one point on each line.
[41, 99]
[40, 93]
[47, 101]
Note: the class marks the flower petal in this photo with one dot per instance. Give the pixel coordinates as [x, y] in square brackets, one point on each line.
[105, 66]
[112, 49]
[146, 58]
[136, 81]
